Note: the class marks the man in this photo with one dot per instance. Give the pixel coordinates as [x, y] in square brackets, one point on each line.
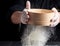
[10, 17]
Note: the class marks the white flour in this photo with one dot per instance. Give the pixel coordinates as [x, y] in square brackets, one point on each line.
[35, 35]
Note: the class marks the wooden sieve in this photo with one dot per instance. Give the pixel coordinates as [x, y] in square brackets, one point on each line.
[40, 16]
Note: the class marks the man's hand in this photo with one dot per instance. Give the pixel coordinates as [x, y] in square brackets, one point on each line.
[55, 19]
[25, 16]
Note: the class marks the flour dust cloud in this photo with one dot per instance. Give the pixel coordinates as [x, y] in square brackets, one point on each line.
[36, 35]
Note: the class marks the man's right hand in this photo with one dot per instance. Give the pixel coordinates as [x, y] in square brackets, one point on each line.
[25, 16]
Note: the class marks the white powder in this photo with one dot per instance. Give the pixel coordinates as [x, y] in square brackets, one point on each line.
[35, 35]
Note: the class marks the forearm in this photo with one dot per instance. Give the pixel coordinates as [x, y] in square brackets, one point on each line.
[16, 17]
[16, 13]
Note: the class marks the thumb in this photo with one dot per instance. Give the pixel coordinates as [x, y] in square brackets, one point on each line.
[28, 5]
[56, 14]
[54, 10]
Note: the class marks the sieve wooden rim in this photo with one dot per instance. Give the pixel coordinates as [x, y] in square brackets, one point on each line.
[40, 11]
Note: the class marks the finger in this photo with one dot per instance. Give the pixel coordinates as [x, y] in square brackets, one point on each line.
[53, 24]
[54, 18]
[25, 15]
[24, 20]
[56, 15]
[28, 5]
[54, 10]
[28, 16]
